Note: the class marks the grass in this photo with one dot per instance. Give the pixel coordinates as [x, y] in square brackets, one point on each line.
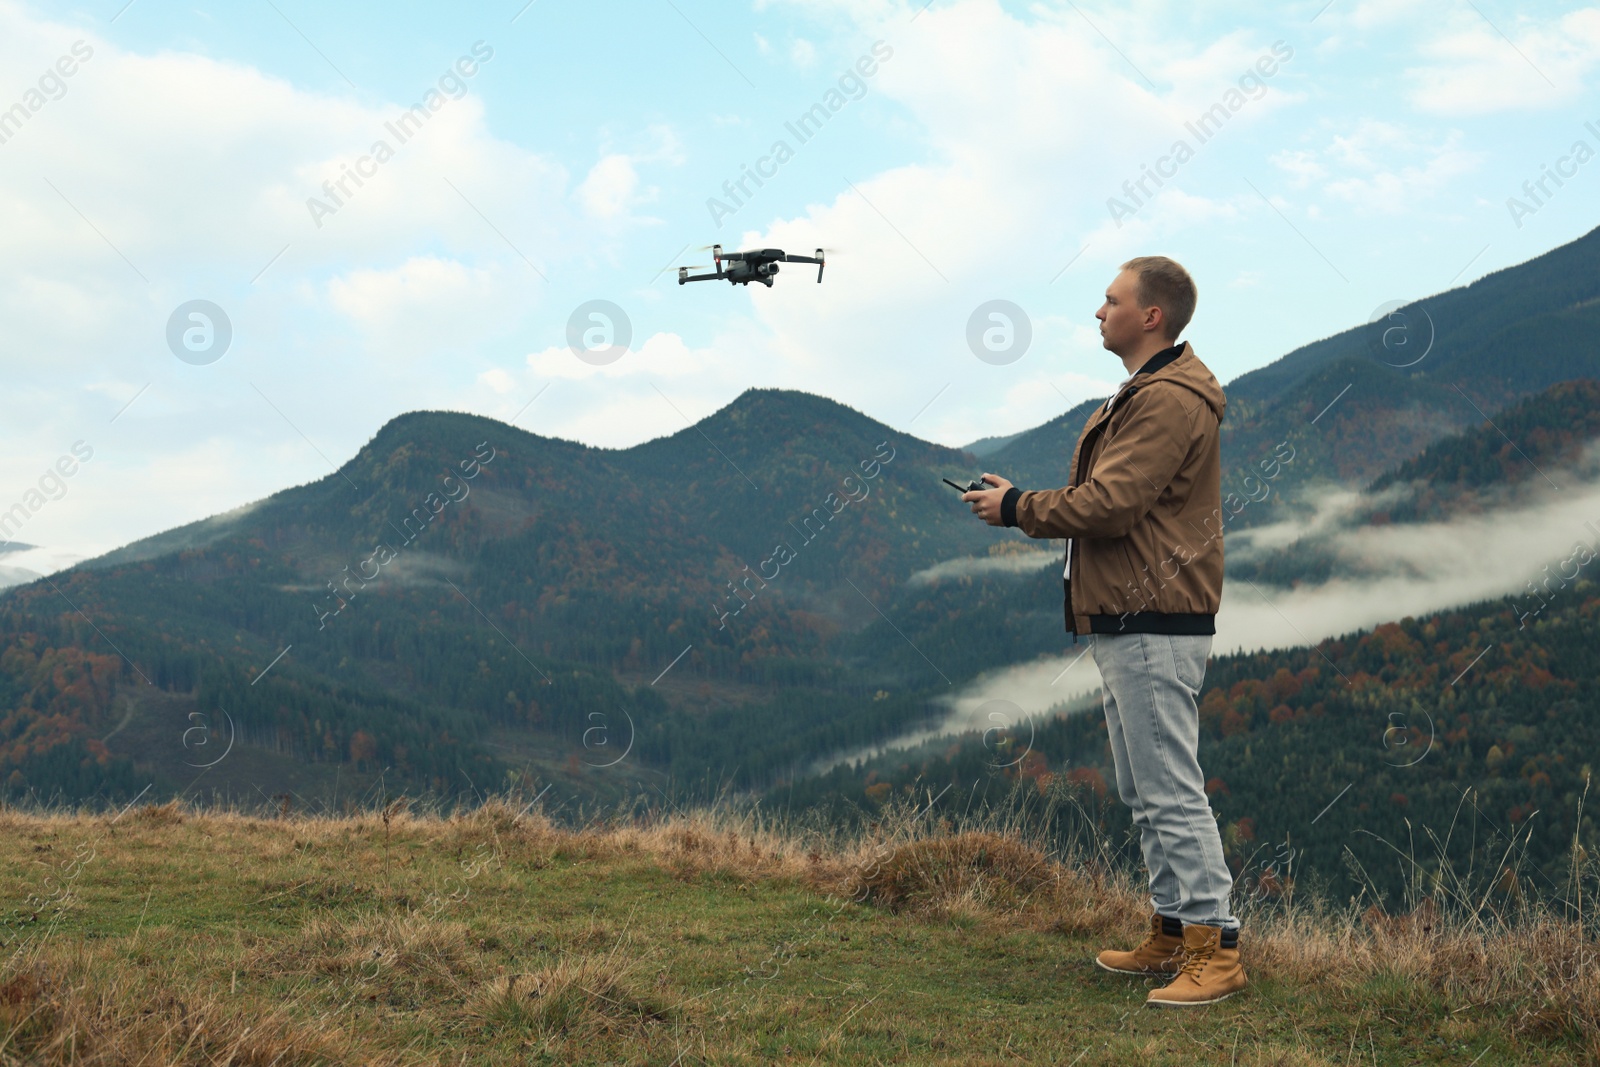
[165, 935]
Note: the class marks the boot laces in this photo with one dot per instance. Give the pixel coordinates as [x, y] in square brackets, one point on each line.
[1151, 939]
[1196, 961]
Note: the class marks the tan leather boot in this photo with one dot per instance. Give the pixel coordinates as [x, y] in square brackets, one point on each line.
[1208, 974]
[1161, 953]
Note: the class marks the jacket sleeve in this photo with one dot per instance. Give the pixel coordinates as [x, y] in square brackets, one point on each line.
[1134, 466]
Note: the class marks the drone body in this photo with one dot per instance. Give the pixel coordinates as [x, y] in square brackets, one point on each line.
[742, 268]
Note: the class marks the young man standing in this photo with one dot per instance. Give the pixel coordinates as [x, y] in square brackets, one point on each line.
[1142, 515]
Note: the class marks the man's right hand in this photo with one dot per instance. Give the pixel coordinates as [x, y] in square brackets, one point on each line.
[986, 502]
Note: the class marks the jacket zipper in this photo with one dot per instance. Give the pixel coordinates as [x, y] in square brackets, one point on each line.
[1077, 479]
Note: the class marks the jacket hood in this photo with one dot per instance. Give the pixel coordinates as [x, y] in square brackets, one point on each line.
[1189, 372]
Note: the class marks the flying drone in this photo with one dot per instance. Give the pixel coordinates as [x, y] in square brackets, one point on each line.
[746, 267]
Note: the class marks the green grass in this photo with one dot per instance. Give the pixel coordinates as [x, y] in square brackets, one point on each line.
[498, 938]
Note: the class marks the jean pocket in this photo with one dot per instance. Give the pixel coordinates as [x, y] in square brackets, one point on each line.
[1189, 655]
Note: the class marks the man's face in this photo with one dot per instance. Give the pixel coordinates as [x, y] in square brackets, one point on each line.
[1123, 323]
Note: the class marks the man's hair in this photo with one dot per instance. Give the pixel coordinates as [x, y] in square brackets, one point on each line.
[1163, 283]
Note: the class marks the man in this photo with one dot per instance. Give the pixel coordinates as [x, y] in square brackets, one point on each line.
[1142, 515]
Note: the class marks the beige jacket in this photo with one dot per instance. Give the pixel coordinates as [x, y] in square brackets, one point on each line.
[1143, 511]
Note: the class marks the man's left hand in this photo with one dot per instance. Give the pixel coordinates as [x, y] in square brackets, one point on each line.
[986, 502]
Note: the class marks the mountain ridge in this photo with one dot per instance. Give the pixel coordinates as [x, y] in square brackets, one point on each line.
[738, 590]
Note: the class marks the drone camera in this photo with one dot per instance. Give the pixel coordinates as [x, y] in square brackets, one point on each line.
[752, 265]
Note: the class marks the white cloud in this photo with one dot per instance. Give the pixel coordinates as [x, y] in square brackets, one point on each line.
[612, 189]
[1301, 166]
[1024, 562]
[417, 309]
[659, 354]
[1523, 62]
[499, 380]
[159, 178]
[1378, 185]
[1376, 14]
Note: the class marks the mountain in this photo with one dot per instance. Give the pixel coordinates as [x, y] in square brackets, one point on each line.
[1538, 307]
[984, 446]
[463, 603]
[461, 586]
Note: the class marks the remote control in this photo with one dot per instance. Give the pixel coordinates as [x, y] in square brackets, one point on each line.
[977, 486]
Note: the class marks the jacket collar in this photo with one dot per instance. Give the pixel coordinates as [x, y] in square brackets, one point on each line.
[1162, 358]
[1150, 366]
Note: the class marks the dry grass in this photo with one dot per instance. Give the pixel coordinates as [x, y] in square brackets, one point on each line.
[83, 1009]
[1535, 967]
[576, 996]
[987, 876]
[406, 957]
[1537, 961]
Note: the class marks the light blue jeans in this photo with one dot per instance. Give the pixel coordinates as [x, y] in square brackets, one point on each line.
[1151, 682]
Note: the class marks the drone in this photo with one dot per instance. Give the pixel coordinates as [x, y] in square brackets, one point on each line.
[746, 267]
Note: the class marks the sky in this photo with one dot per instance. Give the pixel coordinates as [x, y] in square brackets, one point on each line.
[239, 238]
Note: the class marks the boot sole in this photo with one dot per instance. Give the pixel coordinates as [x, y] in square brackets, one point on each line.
[1141, 974]
[1190, 1003]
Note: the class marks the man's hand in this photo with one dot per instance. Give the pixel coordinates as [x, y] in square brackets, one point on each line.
[986, 502]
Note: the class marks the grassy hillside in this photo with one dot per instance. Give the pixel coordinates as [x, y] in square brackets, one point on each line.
[161, 936]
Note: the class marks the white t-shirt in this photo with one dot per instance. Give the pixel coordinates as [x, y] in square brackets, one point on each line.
[1112, 399]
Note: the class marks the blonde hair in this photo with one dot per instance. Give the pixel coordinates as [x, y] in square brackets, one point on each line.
[1163, 283]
